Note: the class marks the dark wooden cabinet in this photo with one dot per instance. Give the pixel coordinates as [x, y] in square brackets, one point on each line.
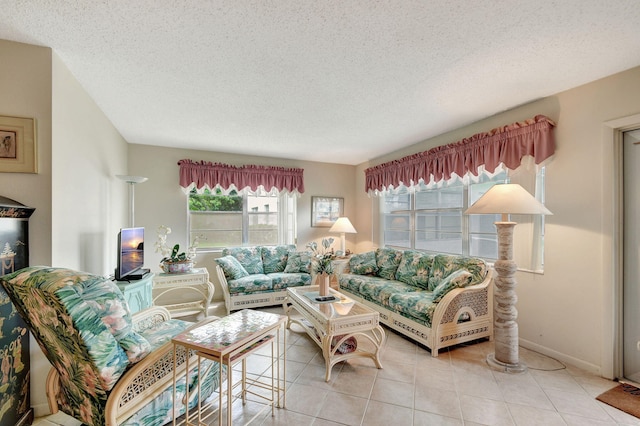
[15, 401]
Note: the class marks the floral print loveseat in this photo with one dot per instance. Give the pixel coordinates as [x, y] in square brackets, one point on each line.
[259, 276]
[438, 300]
[109, 367]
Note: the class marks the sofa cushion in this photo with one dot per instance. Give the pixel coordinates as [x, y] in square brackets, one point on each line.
[163, 332]
[106, 299]
[414, 268]
[445, 264]
[298, 262]
[274, 259]
[250, 284]
[351, 282]
[457, 279]
[416, 304]
[282, 280]
[135, 346]
[249, 257]
[108, 302]
[379, 290]
[363, 263]
[93, 347]
[387, 260]
[232, 268]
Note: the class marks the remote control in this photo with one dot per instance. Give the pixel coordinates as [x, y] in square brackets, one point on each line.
[325, 298]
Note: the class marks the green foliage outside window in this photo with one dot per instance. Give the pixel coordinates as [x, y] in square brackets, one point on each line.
[220, 203]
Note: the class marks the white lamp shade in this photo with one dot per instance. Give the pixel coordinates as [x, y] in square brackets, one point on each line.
[507, 199]
[343, 225]
[132, 179]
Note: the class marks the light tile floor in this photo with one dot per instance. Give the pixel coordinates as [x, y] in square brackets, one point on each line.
[456, 388]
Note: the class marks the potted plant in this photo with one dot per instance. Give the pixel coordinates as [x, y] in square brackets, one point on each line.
[174, 261]
[322, 263]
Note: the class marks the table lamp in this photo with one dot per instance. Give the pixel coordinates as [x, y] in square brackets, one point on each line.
[506, 199]
[343, 226]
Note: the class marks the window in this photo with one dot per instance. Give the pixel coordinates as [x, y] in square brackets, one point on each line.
[241, 219]
[433, 220]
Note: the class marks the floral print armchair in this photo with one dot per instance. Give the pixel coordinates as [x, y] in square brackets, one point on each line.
[109, 367]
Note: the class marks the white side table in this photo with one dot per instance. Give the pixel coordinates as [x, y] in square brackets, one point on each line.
[184, 294]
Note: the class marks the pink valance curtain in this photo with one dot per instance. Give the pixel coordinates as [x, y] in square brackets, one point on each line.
[504, 146]
[205, 174]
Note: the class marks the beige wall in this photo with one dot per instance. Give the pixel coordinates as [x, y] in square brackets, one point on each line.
[160, 200]
[89, 204]
[25, 87]
[79, 203]
[566, 312]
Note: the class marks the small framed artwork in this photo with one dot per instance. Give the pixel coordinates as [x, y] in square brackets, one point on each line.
[325, 211]
[18, 145]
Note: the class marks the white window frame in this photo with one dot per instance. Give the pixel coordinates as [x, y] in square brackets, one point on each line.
[529, 254]
[286, 220]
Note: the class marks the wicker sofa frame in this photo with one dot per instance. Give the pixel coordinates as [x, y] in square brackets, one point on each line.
[474, 302]
[260, 263]
[234, 302]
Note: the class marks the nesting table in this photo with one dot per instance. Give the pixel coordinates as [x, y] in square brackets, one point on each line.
[229, 341]
[336, 326]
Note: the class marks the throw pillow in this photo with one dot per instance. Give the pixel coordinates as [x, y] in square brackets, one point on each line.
[298, 262]
[458, 279]
[363, 263]
[414, 268]
[274, 259]
[232, 268]
[135, 346]
[388, 260]
[445, 264]
[249, 257]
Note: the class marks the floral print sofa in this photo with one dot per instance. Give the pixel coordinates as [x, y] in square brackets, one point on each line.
[437, 300]
[109, 367]
[259, 276]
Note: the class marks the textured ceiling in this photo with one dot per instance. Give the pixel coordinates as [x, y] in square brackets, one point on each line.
[337, 81]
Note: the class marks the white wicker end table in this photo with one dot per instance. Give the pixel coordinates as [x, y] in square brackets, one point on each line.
[184, 294]
[335, 325]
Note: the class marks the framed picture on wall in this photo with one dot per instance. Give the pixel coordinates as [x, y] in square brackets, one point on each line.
[18, 145]
[325, 211]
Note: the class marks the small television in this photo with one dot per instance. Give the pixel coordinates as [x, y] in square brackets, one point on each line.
[130, 254]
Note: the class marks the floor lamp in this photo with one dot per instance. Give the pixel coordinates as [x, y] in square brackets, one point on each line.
[132, 180]
[343, 226]
[506, 199]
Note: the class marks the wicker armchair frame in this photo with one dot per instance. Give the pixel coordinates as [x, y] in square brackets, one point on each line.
[143, 382]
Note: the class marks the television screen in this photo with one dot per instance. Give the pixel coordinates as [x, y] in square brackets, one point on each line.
[130, 251]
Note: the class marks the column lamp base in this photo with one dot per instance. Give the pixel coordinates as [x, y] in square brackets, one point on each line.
[504, 367]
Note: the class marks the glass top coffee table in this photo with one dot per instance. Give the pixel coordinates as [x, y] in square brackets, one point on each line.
[336, 326]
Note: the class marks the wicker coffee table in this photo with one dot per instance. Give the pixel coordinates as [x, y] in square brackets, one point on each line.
[336, 326]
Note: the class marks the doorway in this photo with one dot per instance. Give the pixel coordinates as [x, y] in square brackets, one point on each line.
[631, 262]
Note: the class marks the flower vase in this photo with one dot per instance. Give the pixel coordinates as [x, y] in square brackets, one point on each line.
[181, 267]
[323, 284]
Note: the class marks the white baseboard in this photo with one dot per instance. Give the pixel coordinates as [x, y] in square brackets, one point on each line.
[566, 359]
